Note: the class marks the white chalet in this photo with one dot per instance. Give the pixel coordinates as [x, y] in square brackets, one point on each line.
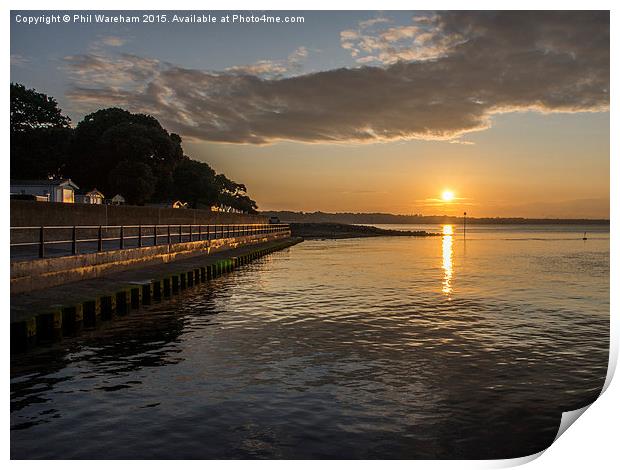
[56, 190]
[91, 197]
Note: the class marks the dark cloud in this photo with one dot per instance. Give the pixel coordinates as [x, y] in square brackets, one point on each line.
[483, 63]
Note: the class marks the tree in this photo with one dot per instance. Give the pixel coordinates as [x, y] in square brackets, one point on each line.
[133, 180]
[239, 202]
[40, 134]
[233, 195]
[195, 182]
[40, 153]
[110, 136]
[33, 110]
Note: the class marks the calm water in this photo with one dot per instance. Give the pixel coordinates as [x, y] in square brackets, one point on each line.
[362, 348]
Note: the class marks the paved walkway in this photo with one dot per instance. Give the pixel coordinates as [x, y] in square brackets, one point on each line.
[25, 306]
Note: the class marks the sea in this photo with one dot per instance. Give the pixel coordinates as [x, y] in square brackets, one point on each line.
[465, 345]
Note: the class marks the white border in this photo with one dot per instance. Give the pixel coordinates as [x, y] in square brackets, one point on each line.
[590, 443]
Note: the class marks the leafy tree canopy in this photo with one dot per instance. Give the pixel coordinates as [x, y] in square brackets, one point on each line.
[40, 134]
[194, 182]
[40, 153]
[107, 137]
[133, 180]
[33, 110]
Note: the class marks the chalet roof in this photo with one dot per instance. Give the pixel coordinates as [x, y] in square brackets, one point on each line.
[167, 204]
[45, 182]
[95, 192]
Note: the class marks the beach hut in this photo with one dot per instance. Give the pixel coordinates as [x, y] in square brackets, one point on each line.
[91, 197]
[52, 190]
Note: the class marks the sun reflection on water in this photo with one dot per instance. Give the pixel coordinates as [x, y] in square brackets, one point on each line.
[447, 260]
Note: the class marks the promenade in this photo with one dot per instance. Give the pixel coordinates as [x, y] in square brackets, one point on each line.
[47, 315]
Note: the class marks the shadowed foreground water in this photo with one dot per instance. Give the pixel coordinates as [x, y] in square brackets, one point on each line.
[363, 348]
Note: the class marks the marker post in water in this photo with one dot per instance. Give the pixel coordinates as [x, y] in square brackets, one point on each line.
[464, 223]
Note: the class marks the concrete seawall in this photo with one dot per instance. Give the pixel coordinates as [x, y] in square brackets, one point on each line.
[37, 274]
[43, 316]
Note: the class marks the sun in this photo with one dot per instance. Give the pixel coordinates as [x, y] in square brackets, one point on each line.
[447, 195]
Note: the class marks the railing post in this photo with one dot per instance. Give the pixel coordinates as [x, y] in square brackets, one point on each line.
[180, 233]
[191, 237]
[122, 237]
[100, 239]
[169, 239]
[155, 236]
[74, 241]
[200, 233]
[139, 236]
[41, 242]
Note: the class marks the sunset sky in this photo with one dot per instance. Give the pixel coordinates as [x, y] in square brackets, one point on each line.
[359, 111]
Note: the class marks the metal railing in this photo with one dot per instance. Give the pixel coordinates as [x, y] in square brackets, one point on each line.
[52, 241]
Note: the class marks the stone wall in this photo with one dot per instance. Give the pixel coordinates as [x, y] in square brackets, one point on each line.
[34, 214]
[37, 274]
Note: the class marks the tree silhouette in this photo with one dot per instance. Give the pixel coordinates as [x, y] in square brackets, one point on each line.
[195, 183]
[115, 151]
[40, 134]
[33, 110]
[110, 136]
[134, 180]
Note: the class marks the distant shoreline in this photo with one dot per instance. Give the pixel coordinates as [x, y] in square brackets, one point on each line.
[380, 218]
[332, 231]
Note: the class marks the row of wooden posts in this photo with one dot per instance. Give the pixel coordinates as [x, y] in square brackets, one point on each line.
[69, 320]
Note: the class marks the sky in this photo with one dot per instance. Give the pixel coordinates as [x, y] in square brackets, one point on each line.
[356, 111]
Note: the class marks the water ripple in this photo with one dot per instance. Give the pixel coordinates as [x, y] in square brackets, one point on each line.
[348, 348]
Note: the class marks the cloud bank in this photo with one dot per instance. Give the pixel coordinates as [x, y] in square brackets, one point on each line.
[440, 77]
